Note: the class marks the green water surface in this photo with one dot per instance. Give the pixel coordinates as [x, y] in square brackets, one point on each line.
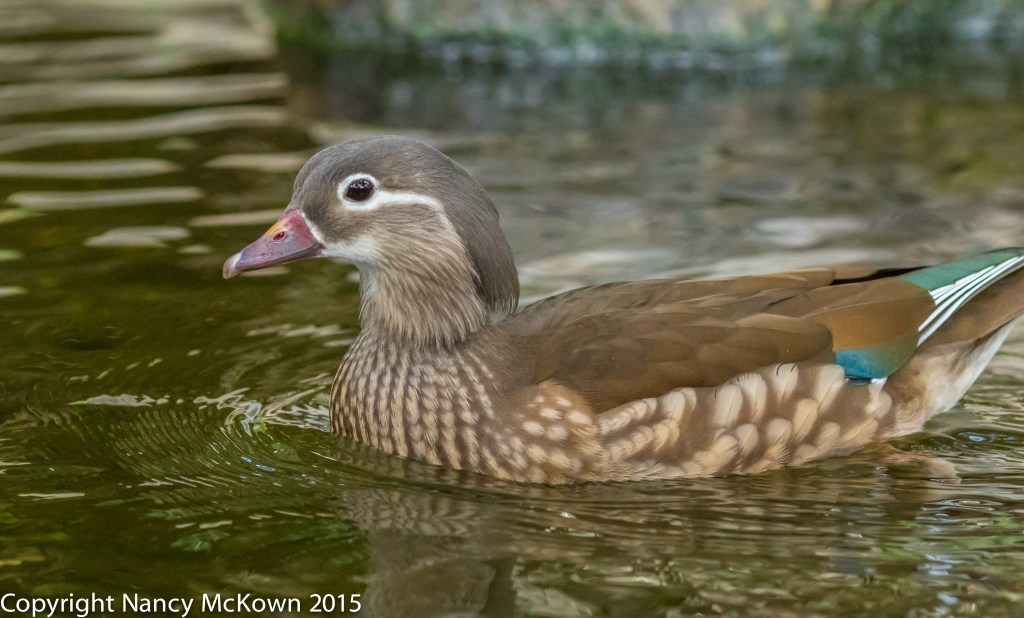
[164, 432]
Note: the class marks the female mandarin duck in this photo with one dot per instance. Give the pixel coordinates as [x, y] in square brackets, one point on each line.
[642, 380]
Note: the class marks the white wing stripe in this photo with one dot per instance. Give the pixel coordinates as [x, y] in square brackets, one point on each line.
[951, 297]
[949, 294]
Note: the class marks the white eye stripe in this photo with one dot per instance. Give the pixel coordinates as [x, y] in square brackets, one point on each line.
[381, 197]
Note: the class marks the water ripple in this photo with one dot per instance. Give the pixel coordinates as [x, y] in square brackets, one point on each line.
[18, 137]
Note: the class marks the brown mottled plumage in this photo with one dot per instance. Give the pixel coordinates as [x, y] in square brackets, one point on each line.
[652, 379]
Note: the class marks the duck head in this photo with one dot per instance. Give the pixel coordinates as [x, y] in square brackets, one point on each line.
[434, 264]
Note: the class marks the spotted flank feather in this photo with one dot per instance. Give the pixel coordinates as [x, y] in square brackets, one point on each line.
[765, 419]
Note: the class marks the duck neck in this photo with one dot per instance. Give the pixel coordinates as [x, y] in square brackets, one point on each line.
[427, 358]
[420, 310]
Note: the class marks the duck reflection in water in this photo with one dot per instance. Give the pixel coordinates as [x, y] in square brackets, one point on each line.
[448, 544]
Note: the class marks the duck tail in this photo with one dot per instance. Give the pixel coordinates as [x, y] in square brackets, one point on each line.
[952, 285]
[976, 299]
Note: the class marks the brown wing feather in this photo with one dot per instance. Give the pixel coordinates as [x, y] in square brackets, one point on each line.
[862, 315]
[620, 356]
[564, 309]
[621, 342]
[994, 307]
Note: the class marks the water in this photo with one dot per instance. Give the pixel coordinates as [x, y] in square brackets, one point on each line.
[164, 432]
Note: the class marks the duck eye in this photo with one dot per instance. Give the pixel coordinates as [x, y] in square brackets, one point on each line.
[359, 190]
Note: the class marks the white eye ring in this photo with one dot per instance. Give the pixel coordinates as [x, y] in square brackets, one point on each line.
[367, 204]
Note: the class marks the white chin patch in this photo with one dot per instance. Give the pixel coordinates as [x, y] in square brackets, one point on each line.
[362, 250]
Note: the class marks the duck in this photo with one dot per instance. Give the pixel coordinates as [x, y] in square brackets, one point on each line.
[641, 380]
